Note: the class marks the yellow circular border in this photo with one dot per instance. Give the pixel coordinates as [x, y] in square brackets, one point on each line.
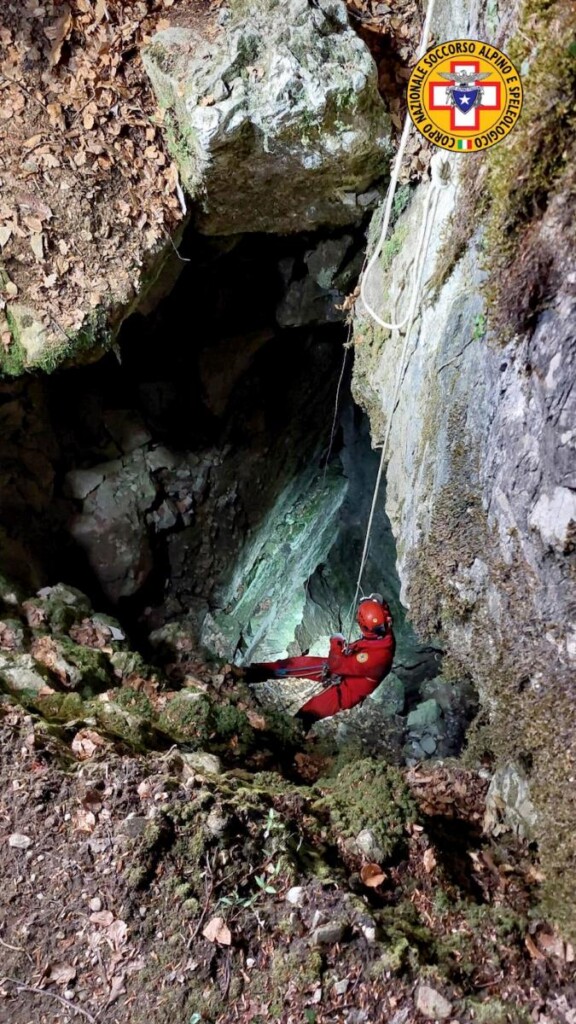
[488, 58]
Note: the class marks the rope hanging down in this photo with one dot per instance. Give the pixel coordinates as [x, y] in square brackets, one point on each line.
[416, 280]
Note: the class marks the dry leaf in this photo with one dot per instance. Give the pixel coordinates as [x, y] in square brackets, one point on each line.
[218, 931]
[372, 875]
[429, 860]
[92, 800]
[5, 235]
[85, 821]
[256, 721]
[58, 33]
[85, 743]
[102, 917]
[117, 933]
[551, 945]
[533, 948]
[62, 974]
[117, 988]
[37, 246]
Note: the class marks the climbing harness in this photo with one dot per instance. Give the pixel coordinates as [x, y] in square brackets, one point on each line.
[439, 181]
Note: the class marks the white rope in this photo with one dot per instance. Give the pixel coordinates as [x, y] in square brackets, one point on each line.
[416, 280]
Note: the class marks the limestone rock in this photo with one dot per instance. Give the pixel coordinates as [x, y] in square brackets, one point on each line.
[368, 845]
[328, 933]
[276, 116]
[426, 713]
[21, 676]
[432, 1004]
[508, 801]
[202, 762]
[112, 527]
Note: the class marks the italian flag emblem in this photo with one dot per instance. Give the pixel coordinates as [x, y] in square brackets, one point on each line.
[464, 144]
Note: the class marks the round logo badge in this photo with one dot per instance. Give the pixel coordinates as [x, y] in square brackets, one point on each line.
[362, 657]
[464, 95]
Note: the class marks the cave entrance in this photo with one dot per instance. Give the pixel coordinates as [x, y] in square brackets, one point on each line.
[200, 479]
[213, 482]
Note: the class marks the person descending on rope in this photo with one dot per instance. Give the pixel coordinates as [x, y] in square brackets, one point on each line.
[349, 674]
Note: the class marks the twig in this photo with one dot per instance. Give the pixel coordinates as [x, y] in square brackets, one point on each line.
[17, 949]
[206, 907]
[54, 995]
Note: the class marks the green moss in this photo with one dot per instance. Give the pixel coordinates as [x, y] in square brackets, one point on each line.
[91, 663]
[61, 707]
[121, 724]
[535, 162]
[134, 701]
[290, 972]
[392, 246]
[13, 359]
[188, 719]
[494, 1011]
[232, 724]
[370, 795]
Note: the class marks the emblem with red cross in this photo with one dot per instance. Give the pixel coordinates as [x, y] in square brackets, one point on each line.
[439, 98]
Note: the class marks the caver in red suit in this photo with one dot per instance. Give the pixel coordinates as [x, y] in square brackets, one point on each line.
[351, 672]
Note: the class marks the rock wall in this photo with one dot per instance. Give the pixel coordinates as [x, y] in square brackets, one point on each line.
[480, 475]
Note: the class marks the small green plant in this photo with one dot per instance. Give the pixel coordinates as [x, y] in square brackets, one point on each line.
[479, 327]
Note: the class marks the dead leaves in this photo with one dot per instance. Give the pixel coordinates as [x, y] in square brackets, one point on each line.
[449, 792]
[372, 875]
[58, 33]
[61, 974]
[85, 744]
[218, 931]
[548, 944]
[79, 103]
[429, 860]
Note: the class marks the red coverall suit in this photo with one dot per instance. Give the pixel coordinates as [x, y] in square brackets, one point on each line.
[359, 667]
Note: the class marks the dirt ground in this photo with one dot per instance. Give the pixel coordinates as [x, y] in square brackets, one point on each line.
[146, 889]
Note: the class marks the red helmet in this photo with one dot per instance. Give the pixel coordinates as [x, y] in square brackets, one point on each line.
[374, 615]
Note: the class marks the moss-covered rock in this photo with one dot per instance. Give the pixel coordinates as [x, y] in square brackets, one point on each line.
[229, 118]
[370, 795]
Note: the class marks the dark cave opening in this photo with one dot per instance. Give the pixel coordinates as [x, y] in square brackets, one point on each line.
[199, 477]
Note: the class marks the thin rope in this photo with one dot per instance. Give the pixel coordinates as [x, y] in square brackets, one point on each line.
[416, 279]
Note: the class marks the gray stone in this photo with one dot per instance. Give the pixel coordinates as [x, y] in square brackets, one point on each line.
[509, 804]
[369, 931]
[424, 714]
[202, 762]
[217, 822]
[390, 695]
[367, 844]
[160, 458]
[20, 674]
[283, 102]
[432, 1004]
[341, 987]
[112, 528]
[428, 745]
[329, 933]
[133, 826]
[295, 895]
[79, 483]
[480, 478]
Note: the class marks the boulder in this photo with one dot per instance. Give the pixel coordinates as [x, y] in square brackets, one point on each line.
[274, 115]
